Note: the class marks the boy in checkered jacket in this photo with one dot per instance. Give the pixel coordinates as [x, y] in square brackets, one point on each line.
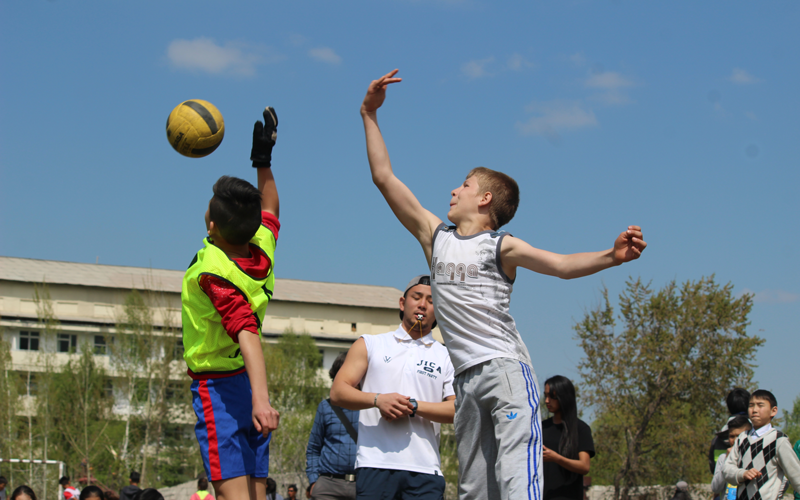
[761, 457]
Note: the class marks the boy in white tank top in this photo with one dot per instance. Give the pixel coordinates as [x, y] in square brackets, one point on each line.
[473, 267]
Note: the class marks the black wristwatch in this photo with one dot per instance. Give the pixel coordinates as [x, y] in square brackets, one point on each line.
[415, 405]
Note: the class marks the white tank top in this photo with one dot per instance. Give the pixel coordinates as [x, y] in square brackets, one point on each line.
[471, 297]
[420, 369]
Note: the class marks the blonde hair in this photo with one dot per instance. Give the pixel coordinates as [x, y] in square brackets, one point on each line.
[505, 194]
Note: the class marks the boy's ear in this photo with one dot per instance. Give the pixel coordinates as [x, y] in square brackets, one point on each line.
[485, 199]
[213, 230]
[773, 412]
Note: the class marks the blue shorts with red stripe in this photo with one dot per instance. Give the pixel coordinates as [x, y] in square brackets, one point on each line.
[229, 443]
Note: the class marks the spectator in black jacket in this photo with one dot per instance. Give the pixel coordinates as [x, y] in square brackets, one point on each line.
[128, 492]
[738, 401]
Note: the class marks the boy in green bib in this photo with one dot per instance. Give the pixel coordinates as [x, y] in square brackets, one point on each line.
[224, 298]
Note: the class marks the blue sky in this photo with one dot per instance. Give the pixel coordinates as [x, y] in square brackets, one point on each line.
[681, 117]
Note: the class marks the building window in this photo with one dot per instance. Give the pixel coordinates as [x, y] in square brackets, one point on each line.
[28, 341]
[321, 358]
[108, 388]
[178, 351]
[67, 343]
[100, 346]
[174, 390]
[31, 386]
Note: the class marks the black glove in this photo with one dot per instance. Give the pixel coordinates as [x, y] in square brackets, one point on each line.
[264, 136]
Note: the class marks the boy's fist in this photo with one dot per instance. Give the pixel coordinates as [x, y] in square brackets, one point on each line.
[264, 137]
[751, 474]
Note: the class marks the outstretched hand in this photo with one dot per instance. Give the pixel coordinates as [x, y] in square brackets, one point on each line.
[629, 245]
[376, 93]
[264, 137]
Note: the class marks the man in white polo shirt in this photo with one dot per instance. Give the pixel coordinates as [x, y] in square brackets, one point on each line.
[406, 391]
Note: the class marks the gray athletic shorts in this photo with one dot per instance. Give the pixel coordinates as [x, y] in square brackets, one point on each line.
[498, 431]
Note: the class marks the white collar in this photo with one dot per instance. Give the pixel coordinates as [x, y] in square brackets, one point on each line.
[402, 336]
[762, 431]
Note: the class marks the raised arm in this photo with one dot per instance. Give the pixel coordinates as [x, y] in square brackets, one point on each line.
[514, 253]
[408, 210]
[264, 137]
[269, 192]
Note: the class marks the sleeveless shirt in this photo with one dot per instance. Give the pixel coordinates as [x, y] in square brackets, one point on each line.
[471, 297]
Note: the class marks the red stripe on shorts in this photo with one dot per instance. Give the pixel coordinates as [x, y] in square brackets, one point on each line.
[211, 427]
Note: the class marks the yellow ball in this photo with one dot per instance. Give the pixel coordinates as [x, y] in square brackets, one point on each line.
[195, 128]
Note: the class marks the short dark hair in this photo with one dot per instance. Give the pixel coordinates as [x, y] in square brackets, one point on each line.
[148, 494]
[739, 422]
[92, 491]
[64, 480]
[3, 480]
[202, 484]
[765, 394]
[22, 490]
[505, 194]
[738, 400]
[235, 208]
[292, 487]
[337, 364]
[135, 476]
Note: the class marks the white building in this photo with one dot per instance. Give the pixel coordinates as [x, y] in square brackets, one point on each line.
[87, 300]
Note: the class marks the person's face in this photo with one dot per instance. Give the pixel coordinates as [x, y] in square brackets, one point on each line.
[22, 496]
[734, 433]
[418, 301]
[761, 412]
[292, 493]
[550, 400]
[465, 199]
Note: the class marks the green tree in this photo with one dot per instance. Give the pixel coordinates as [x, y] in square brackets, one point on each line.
[657, 385]
[45, 377]
[791, 421]
[83, 412]
[296, 386]
[142, 355]
[293, 373]
[449, 459]
[10, 396]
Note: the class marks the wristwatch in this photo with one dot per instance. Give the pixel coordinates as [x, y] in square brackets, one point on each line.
[415, 405]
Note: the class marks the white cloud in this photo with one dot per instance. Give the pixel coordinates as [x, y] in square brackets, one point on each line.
[608, 80]
[772, 296]
[477, 68]
[517, 62]
[742, 77]
[204, 54]
[551, 118]
[325, 54]
[611, 85]
[298, 40]
[578, 59]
